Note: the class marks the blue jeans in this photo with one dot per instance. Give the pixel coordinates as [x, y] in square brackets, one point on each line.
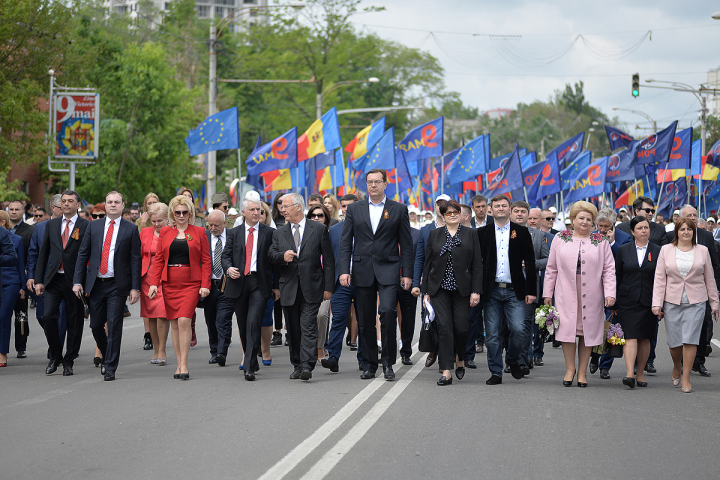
[503, 302]
[340, 304]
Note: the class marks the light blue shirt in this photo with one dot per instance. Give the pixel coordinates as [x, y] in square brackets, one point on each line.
[502, 241]
[376, 211]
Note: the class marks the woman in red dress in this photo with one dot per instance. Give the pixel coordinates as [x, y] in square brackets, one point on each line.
[182, 264]
[153, 311]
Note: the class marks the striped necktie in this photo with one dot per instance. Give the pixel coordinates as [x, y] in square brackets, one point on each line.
[217, 258]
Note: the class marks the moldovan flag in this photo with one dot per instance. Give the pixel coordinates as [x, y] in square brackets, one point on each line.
[322, 136]
[366, 138]
[636, 190]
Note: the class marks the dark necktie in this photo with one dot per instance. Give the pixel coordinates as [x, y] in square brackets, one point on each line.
[217, 258]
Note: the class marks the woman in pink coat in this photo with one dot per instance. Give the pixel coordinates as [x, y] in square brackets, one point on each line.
[580, 274]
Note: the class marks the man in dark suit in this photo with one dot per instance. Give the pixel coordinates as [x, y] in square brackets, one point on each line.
[54, 275]
[342, 298]
[107, 271]
[481, 218]
[379, 231]
[251, 279]
[303, 251]
[218, 309]
[645, 207]
[16, 211]
[509, 284]
[705, 238]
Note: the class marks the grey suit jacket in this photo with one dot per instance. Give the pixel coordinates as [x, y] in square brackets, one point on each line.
[313, 270]
[541, 247]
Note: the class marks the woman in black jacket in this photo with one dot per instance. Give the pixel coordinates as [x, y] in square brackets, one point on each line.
[452, 282]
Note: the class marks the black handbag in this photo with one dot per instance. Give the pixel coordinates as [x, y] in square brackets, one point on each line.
[428, 335]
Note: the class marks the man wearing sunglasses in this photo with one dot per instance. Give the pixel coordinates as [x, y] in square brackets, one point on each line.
[644, 207]
[40, 215]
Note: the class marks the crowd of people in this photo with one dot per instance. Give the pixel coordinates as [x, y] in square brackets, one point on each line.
[358, 270]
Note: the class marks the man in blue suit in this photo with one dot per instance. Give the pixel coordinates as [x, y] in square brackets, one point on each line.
[606, 225]
[420, 249]
[341, 301]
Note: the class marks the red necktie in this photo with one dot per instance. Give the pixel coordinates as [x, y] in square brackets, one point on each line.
[248, 250]
[65, 236]
[106, 248]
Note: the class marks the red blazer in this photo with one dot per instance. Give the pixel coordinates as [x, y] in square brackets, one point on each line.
[146, 238]
[200, 264]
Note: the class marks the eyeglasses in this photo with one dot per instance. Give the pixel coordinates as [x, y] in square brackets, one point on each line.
[549, 219]
[317, 215]
[97, 215]
[452, 214]
[38, 215]
[375, 182]
[649, 211]
[55, 206]
[181, 213]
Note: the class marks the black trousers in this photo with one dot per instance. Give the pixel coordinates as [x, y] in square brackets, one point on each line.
[218, 311]
[452, 314]
[106, 305]
[408, 308]
[705, 336]
[367, 298]
[302, 330]
[55, 292]
[250, 310]
[278, 316]
[21, 305]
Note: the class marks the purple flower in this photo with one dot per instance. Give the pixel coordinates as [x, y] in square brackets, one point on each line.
[548, 322]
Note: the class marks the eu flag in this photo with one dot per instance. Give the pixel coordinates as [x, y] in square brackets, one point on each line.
[279, 154]
[449, 188]
[469, 161]
[217, 132]
[617, 138]
[569, 150]
[656, 147]
[382, 155]
[506, 178]
[590, 182]
[424, 141]
[572, 170]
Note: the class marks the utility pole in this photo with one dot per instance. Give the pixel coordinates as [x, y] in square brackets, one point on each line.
[212, 110]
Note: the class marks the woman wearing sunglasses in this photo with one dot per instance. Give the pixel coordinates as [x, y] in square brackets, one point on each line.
[182, 263]
[321, 214]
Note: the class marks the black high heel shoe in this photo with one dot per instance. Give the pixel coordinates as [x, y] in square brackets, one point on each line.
[629, 381]
[97, 361]
[460, 372]
[568, 383]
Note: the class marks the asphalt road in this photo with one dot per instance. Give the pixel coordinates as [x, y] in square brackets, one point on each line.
[217, 425]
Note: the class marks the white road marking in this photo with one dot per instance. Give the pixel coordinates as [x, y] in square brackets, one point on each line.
[333, 456]
[298, 454]
[55, 393]
[715, 342]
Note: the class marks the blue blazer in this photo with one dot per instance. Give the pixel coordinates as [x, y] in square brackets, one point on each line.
[34, 249]
[621, 238]
[420, 248]
[335, 232]
[16, 273]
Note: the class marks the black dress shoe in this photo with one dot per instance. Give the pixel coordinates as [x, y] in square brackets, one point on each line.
[295, 374]
[494, 380]
[567, 383]
[367, 375]
[67, 371]
[406, 360]
[538, 362]
[306, 374]
[148, 342]
[516, 371]
[330, 363]
[21, 354]
[347, 339]
[388, 373]
[430, 360]
[650, 368]
[220, 359]
[604, 373]
[276, 339]
[524, 369]
[287, 341]
[52, 367]
[459, 373]
[701, 370]
[249, 376]
[641, 384]
[184, 376]
[103, 370]
[176, 376]
[629, 381]
[97, 361]
[353, 347]
[593, 367]
[444, 381]
[582, 384]
[507, 369]
[530, 365]
[470, 364]
[556, 344]
[213, 360]
[109, 376]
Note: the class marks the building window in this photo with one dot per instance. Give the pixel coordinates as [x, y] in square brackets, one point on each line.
[219, 12]
[168, 5]
[121, 9]
[203, 11]
[251, 2]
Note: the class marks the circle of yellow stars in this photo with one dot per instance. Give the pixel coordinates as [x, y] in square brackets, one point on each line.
[202, 134]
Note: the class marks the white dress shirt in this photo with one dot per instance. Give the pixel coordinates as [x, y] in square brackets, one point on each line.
[502, 242]
[376, 211]
[213, 242]
[641, 254]
[253, 261]
[301, 229]
[481, 224]
[71, 225]
[111, 264]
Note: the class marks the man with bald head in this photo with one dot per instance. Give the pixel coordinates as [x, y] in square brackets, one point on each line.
[702, 237]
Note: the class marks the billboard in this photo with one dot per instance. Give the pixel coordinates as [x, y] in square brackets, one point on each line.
[76, 125]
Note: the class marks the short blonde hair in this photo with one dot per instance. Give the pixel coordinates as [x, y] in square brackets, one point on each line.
[268, 213]
[181, 200]
[5, 217]
[148, 197]
[583, 206]
[158, 208]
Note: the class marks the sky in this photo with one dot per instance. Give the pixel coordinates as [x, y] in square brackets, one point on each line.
[540, 50]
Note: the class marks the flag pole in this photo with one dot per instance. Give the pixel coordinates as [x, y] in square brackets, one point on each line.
[442, 174]
[662, 186]
[525, 192]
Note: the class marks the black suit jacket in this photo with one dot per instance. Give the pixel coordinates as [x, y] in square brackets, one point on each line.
[52, 253]
[127, 261]
[234, 256]
[376, 255]
[520, 249]
[466, 262]
[25, 232]
[635, 283]
[706, 239]
[658, 235]
[314, 275]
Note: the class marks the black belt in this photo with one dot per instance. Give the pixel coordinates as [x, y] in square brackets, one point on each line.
[216, 283]
[250, 273]
[108, 279]
[504, 285]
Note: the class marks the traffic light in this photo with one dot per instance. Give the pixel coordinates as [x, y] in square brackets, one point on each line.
[636, 85]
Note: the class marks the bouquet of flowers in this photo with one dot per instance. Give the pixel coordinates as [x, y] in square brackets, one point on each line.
[547, 319]
[616, 339]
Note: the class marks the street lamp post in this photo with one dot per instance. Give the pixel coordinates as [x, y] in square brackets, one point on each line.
[542, 144]
[319, 97]
[638, 112]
